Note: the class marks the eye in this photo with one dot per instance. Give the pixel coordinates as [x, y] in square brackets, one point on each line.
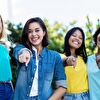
[74, 35]
[30, 31]
[37, 30]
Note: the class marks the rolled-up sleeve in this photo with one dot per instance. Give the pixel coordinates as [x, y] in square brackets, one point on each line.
[61, 83]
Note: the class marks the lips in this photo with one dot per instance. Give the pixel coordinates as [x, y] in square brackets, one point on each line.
[76, 42]
[34, 39]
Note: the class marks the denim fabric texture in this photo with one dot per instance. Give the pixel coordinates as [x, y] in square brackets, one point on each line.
[50, 67]
[78, 96]
[32, 98]
[6, 91]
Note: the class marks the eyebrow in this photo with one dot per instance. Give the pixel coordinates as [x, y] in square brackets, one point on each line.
[35, 28]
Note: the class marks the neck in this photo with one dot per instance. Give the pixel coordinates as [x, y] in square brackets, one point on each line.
[73, 52]
[39, 49]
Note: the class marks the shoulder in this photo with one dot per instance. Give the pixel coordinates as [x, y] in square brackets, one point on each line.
[19, 46]
[52, 53]
[2, 47]
[80, 57]
[91, 57]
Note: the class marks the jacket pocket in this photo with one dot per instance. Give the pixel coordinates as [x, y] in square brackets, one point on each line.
[48, 72]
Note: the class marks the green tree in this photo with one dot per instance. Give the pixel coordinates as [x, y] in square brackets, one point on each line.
[56, 32]
[14, 37]
[16, 31]
[90, 46]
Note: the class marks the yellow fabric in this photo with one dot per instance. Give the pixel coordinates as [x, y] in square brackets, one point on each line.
[76, 77]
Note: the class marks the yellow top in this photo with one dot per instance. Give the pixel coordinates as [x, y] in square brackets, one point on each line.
[77, 77]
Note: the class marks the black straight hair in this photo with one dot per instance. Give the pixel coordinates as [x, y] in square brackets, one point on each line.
[96, 34]
[80, 51]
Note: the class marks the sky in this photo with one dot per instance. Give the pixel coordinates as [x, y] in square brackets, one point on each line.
[63, 11]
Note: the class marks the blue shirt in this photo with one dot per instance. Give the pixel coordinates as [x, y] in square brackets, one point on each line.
[5, 68]
[50, 67]
[94, 78]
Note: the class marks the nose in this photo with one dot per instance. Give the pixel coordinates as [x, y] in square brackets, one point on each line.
[77, 37]
[33, 33]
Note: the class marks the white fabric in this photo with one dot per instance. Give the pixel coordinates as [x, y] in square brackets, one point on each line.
[34, 89]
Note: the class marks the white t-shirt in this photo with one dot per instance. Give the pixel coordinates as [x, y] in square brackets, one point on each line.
[34, 89]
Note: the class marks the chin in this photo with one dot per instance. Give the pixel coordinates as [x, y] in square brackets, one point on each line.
[76, 47]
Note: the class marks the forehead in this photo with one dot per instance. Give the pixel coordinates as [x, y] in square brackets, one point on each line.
[34, 25]
[78, 32]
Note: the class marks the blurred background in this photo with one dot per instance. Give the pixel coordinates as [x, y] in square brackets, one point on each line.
[58, 15]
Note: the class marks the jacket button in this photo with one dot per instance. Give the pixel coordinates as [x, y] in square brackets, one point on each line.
[29, 86]
[27, 95]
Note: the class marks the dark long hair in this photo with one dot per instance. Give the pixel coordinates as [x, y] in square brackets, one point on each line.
[81, 50]
[2, 27]
[96, 34]
[24, 38]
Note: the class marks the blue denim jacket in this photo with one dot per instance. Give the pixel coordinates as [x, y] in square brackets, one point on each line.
[50, 67]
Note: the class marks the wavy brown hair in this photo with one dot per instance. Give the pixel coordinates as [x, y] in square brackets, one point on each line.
[24, 38]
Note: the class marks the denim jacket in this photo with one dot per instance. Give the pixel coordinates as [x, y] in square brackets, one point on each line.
[50, 67]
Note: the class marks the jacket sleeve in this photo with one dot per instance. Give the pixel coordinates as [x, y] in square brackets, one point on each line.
[59, 73]
[18, 50]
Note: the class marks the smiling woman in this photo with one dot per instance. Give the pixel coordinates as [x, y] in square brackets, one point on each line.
[5, 70]
[75, 65]
[38, 66]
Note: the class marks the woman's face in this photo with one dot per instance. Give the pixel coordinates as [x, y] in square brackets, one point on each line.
[98, 41]
[75, 40]
[0, 26]
[35, 34]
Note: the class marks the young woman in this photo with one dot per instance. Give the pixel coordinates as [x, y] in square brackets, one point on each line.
[37, 66]
[5, 70]
[75, 69]
[94, 69]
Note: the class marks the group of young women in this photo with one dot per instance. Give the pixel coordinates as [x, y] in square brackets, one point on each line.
[76, 75]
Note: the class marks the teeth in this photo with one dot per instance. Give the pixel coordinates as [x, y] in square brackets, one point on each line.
[76, 42]
[34, 39]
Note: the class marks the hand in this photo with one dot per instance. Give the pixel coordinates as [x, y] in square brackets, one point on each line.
[24, 57]
[71, 61]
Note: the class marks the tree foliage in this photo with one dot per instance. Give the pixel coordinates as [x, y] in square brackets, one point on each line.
[56, 32]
